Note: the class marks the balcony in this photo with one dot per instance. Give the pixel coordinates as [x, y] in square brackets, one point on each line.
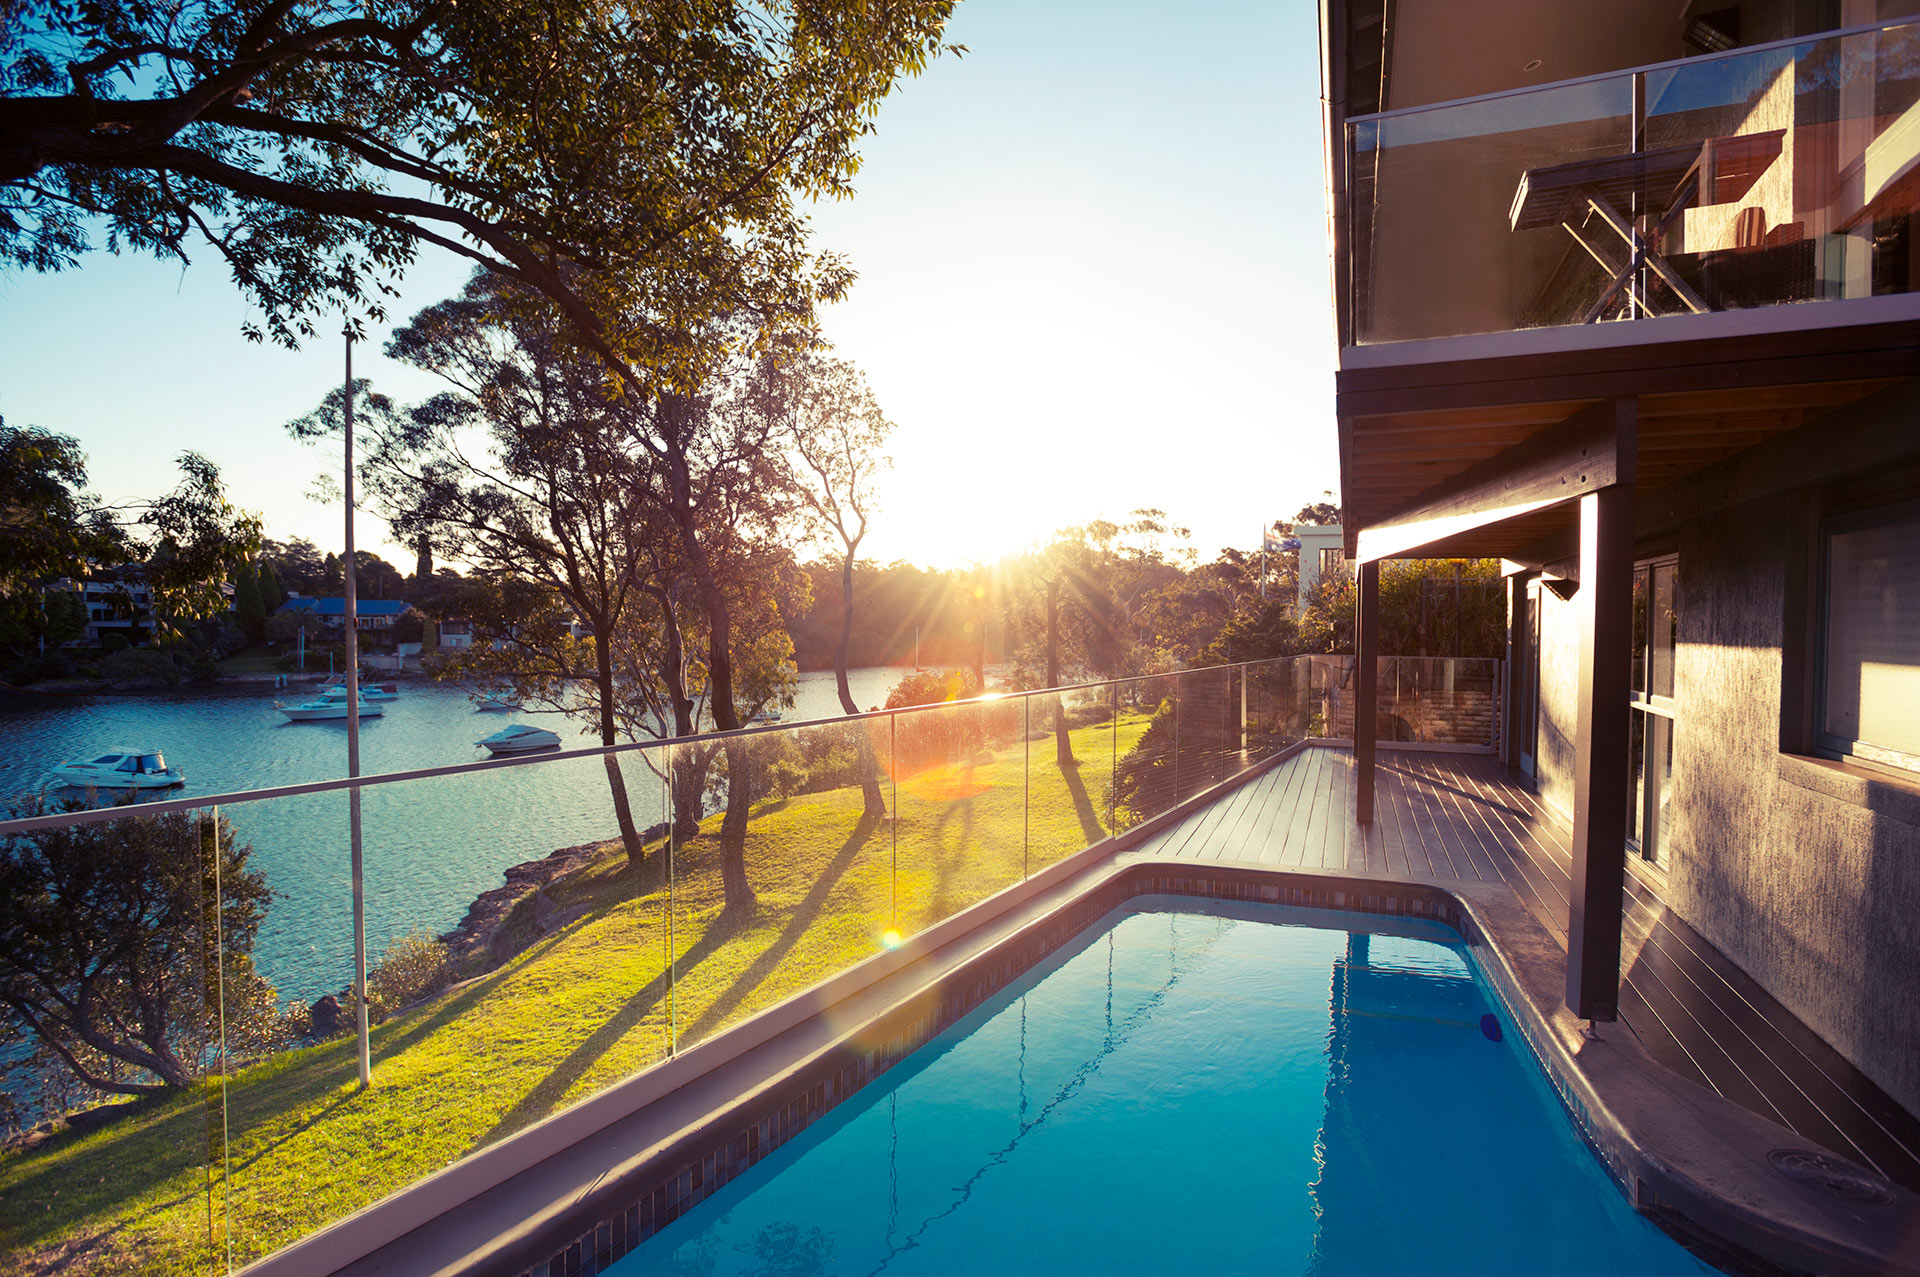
[1718, 193]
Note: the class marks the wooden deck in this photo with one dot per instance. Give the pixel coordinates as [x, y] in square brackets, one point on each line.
[1451, 816]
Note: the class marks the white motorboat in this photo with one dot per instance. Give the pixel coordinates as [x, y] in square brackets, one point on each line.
[120, 769]
[489, 702]
[331, 703]
[519, 738]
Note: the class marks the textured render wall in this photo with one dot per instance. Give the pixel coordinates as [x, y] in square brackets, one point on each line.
[1816, 896]
[1559, 702]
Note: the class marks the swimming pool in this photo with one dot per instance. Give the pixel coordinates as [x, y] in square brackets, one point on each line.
[1195, 1086]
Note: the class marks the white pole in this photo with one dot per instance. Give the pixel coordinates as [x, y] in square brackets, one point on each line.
[353, 757]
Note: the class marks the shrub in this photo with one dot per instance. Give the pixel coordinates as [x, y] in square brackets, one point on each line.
[415, 966]
[113, 641]
[140, 665]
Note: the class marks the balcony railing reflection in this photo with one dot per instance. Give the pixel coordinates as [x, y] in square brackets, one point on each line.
[1771, 176]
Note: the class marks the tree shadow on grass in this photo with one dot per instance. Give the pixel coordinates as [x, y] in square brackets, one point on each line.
[1090, 826]
[548, 1091]
[803, 916]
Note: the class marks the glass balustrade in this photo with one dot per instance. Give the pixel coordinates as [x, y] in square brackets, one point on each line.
[620, 906]
[1764, 177]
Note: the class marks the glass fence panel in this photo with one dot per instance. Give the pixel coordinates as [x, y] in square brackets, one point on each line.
[535, 999]
[787, 878]
[1070, 771]
[1456, 217]
[961, 809]
[1144, 782]
[1275, 705]
[117, 928]
[1762, 178]
[1209, 729]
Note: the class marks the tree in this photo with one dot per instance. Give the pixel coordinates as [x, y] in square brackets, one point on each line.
[272, 595]
[1319, 513]
[333, 576]
[835, 432]
[296, 564]
[107, 944]
[528, 468]
[52, 526]
[249, 607]
[315, 148]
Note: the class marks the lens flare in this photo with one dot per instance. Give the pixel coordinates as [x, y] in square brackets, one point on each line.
[892, 938]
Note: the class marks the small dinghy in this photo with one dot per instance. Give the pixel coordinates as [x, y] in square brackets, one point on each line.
[519, 738]
[489, 702]
[120, 769]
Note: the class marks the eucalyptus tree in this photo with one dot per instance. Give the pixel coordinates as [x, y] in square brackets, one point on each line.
[834, 437]
[525, 467]
[575, 148]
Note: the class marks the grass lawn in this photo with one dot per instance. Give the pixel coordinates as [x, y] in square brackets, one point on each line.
[252, 660]
[178, 1185]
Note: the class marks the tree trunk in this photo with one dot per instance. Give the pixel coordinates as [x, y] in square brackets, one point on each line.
[688, 783]
[876, 803]
[733, 829]
[1062, 743]
[609, 735]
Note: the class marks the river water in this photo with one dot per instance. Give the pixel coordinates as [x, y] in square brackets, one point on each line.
[430, 846]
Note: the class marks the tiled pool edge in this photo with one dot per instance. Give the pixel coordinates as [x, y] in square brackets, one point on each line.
[1720, 1214]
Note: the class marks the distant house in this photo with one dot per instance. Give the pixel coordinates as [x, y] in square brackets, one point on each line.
[119, 601]
[373, 617]
[455, 632]
[1322, 550]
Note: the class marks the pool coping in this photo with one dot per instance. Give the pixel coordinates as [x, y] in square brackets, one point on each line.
[585, 1186]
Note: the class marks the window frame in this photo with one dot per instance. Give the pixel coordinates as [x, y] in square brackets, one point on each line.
[1824, 743]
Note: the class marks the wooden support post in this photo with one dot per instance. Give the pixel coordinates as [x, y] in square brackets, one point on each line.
[1600, 758]
[1366, 693]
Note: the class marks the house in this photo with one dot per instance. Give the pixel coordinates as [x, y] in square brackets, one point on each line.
[1628, 296]
[1322, 551]
[373, 618]
[454, 632]
[119, 600]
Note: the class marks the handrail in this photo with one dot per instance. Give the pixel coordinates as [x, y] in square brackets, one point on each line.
[1743, 50]
[61, 820]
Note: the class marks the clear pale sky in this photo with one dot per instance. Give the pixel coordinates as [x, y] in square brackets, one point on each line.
[1093, 278]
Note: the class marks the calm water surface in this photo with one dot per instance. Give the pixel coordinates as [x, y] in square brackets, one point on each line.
[1195, 1090]
[430, 846]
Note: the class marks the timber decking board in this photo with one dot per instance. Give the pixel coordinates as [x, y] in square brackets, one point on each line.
[1467, 816]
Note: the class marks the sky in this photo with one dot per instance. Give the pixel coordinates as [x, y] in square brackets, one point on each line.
[1092, 278]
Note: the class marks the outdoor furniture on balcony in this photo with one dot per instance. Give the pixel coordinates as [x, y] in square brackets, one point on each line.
[1660, 184]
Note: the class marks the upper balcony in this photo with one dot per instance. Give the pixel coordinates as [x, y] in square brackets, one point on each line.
[1772, 189]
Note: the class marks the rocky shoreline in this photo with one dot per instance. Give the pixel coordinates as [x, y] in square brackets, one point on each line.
[506, 919]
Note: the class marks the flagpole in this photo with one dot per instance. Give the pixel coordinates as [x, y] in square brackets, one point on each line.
[353, 755]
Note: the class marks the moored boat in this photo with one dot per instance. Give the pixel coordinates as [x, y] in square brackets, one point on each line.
[519, 738]
[331, 703]
[120, 768]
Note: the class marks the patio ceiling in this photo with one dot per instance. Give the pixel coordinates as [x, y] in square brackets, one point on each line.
[1392, 460]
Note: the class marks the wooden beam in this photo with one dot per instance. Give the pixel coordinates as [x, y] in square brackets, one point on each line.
[1561, 463]
[1604, 612]
[1858, 438]
[1366, 692]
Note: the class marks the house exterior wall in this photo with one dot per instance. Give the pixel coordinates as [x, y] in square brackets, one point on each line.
[1806, 875]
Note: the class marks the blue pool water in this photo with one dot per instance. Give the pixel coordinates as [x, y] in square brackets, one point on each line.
[1190, 1089]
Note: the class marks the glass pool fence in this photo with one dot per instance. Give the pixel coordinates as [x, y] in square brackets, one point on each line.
[196, 956]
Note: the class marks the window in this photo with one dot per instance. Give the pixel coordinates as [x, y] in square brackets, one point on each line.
[1870, 667]
[1332, 560]
[1656, 633]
